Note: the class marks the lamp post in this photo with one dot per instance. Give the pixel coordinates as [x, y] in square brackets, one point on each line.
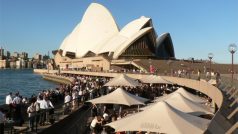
[232, 48]
[210, 56]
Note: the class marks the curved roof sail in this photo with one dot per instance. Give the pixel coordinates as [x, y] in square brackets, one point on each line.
[164, 46]
[130, 41]
[97, 20]
[127, 36]
[131, 28]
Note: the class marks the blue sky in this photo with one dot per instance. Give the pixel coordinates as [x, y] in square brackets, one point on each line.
[197, 27]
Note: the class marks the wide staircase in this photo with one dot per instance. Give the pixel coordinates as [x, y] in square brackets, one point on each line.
[228, 115]
[164, 66]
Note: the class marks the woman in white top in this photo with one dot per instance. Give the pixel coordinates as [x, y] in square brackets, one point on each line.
[67, 102]
[31, 110]
[75, 96]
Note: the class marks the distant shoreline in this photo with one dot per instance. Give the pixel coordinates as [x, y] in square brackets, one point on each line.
[16, 68]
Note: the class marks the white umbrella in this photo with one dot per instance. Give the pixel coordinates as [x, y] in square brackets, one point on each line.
[190, 96]
[123, 80]
[178, 101]
[119, 96]
[186, 94]
[162, 118]
[155, 79]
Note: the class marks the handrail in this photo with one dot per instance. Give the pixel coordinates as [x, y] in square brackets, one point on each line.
[234, 102]
[232, 113]
[233, 128]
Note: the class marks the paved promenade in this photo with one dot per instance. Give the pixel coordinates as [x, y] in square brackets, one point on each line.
[220, 123]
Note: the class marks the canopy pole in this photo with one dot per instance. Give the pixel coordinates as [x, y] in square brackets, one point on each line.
[138, 108]
[120, 110]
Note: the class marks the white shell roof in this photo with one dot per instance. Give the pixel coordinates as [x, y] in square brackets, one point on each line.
[121, 48]
[134, 26]
[96, 21]
[98, 32]
[64, 43]
[124, 35]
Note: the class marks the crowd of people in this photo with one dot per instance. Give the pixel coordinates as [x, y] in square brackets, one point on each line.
[89, 87]
[40, 108]
[20, 109]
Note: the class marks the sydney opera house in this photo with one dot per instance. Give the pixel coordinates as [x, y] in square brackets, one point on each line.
[98, 43]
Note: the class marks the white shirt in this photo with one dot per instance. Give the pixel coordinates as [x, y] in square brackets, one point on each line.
[37, 105]
[24, 101]
[8, 99]
[2, 117]
[67, 99]
[31, 110]
[45, 104]
[80, 92]
[105, 116]
[75, 95]
[94, 122]
[17, 100]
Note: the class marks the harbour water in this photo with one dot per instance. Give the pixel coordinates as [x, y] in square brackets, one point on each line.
[22, 80]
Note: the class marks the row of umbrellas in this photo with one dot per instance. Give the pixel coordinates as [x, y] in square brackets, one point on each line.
[174, 113]
[184, 104]
[168, 114]
[124, 80]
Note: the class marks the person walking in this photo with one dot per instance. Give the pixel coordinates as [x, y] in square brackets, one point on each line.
[75, 99]
[199, 74]
[31, 110]
[67, 102]
[9, 100]
[45, 105]
[18, 109]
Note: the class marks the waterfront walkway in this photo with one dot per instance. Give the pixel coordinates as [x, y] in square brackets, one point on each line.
[220, 120]
[220, 123]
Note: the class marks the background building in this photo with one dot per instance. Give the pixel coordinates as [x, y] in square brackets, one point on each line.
[24, 55]
[1, 53]
[37, 56]
[8, 55]
[16, 55]
[21, 60]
